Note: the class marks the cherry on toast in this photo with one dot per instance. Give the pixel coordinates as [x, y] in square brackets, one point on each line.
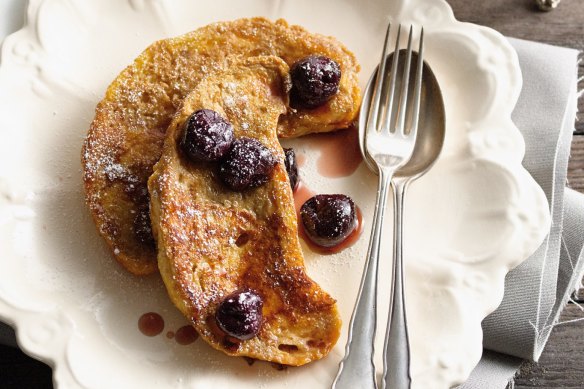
[213, 241]
[126, 136]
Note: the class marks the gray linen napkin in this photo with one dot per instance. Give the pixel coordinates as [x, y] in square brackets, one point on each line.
[537, 290]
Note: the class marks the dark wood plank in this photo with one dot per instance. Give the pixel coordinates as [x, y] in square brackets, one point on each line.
[576, 164]
[562, 363]
[521, 19]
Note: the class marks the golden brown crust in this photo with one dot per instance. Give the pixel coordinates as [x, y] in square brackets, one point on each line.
[126, 136]
[213, 241]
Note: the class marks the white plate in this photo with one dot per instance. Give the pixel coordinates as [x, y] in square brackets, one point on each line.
[473, 217]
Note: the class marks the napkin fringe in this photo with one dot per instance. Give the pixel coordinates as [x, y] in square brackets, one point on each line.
[543, 328]
[577, 265]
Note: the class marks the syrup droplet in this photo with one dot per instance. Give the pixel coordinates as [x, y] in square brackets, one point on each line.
[348, 242]
[278, 366]
[339, 153]
[170, 334]
[151, 324]
[250, 361]
[301, 194]
[186, 335]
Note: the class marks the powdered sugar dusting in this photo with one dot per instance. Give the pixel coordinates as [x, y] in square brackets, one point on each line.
[115, 171]
[126, 136]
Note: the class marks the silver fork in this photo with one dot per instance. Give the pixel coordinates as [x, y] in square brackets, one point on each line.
[389, 143]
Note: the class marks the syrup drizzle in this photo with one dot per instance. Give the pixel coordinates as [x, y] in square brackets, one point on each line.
[151, 324]
[301, 194]
[186, 335]
[339, 153]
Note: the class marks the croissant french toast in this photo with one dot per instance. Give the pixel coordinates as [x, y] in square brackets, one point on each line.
[126, 136]
[214, 241]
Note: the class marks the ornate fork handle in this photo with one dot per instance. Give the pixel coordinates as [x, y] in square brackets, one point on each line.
[357, 370]
[396, 353]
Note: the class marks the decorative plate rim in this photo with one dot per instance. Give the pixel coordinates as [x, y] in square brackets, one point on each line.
[53, 346]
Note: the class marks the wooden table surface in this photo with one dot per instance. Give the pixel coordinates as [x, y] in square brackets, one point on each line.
[562, 363]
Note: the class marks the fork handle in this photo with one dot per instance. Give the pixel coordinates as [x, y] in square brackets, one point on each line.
[357, 369]
[396, 353]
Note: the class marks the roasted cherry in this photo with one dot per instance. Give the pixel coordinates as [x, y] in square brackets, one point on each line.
[248, 164]
[291, 167]
[207, 136]
[240, 314]
[328, 219]
[315, 79]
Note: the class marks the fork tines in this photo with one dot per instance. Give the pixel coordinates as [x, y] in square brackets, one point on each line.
[388, 111]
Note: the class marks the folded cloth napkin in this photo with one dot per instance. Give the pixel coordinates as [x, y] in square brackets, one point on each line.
[537, 290]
